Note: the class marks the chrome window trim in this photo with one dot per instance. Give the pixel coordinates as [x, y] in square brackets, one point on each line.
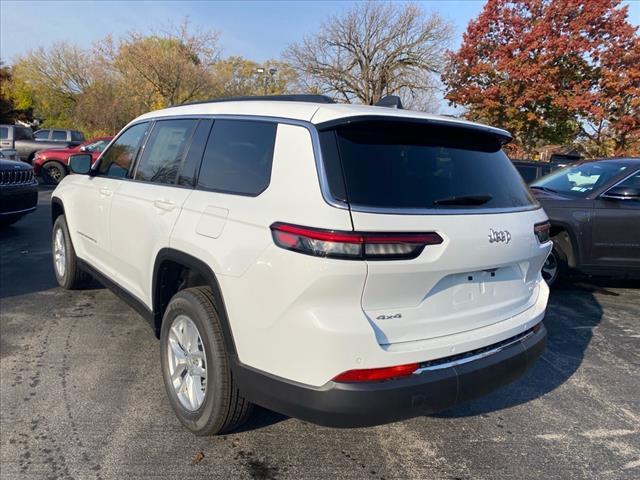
[315, 141]
[321, 172]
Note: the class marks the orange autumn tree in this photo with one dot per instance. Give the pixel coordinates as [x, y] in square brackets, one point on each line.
[552, 72]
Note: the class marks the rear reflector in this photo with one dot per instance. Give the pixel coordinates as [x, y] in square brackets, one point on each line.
[542, 231]
[351, 245]
[377, 374]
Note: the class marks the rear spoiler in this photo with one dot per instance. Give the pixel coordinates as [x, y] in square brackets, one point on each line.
[502, 136]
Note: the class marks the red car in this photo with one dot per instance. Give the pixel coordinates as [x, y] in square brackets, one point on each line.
[52, 164]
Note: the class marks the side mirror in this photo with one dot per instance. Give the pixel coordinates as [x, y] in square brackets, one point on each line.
[622, 193]
[80, 163]
[83, 149]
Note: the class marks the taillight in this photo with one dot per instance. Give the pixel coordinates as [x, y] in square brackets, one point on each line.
[351, 245]
[377, 374]
[542, 231]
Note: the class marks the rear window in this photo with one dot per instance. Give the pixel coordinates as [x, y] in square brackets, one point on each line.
[401, 165]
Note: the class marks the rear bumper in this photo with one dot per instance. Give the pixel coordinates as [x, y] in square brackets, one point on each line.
[372, 403]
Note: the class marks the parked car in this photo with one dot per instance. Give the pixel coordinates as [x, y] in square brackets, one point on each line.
[594, 209]
[531, 171]
[342, 264]
[72, 137]
[21, 139]
[53, 164]
[18, 191]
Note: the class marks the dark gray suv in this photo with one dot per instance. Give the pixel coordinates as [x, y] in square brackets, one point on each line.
[594, 209]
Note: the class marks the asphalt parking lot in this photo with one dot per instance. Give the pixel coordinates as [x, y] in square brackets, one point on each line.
[81, 396]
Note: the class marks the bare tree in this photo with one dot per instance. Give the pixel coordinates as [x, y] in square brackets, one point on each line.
[373, 50]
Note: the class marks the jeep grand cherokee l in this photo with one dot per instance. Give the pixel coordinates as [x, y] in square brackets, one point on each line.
[342, 264]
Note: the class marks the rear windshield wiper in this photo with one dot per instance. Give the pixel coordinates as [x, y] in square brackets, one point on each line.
[464, 200]
[546, 189]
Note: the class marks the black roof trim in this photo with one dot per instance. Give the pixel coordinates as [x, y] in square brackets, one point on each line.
[502, 135]
[277, 98]
[390, 101]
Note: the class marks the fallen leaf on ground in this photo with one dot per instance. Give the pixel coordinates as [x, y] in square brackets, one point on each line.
[197, 459]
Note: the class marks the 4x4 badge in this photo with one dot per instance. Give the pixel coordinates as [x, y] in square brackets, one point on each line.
[496, 236]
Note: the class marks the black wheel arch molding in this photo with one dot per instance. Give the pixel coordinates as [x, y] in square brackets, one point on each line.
[573, 257]
[194, 264]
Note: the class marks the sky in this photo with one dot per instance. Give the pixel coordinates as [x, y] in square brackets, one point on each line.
[257, 30]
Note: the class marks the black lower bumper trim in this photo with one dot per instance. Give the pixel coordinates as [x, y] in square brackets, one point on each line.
[373, 403]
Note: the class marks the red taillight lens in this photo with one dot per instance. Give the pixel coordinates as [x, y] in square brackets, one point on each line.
[351, 245]
[377, 374]
[542, 231]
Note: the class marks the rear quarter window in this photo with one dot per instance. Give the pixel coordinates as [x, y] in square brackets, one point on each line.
[77, 136]
[238, 157]
[408, 165]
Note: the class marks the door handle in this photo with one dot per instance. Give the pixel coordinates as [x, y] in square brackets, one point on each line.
[164, 205]
[106, 192]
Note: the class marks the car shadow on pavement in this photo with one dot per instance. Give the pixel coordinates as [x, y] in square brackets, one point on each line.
[572, 313]
[260, 418]
[26, 266]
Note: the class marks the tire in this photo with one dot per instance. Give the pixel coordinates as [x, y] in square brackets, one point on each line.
[53, 173]
[555, 266]
[65, 263]
[207, 404]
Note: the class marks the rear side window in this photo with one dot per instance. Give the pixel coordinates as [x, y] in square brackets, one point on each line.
[164, 151]
[4, 133]
[404, 165]
[59, 135]
[41, 135]
[238, 157]
[116, 160]
[76, 136]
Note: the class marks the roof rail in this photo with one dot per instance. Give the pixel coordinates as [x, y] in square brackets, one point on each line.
[391, 101]
[278, 98]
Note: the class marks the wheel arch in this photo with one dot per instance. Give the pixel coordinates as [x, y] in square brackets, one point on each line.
[57, 209]
[570, 247]
[169, 277]
[55, 160]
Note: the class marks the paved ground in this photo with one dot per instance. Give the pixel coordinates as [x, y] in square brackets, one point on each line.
[82, 397]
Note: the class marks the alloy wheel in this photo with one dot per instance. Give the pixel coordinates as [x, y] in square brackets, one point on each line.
[187, 363]
[60, 253]
[550, 268]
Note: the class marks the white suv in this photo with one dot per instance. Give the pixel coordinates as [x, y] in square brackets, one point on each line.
[346, 265]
